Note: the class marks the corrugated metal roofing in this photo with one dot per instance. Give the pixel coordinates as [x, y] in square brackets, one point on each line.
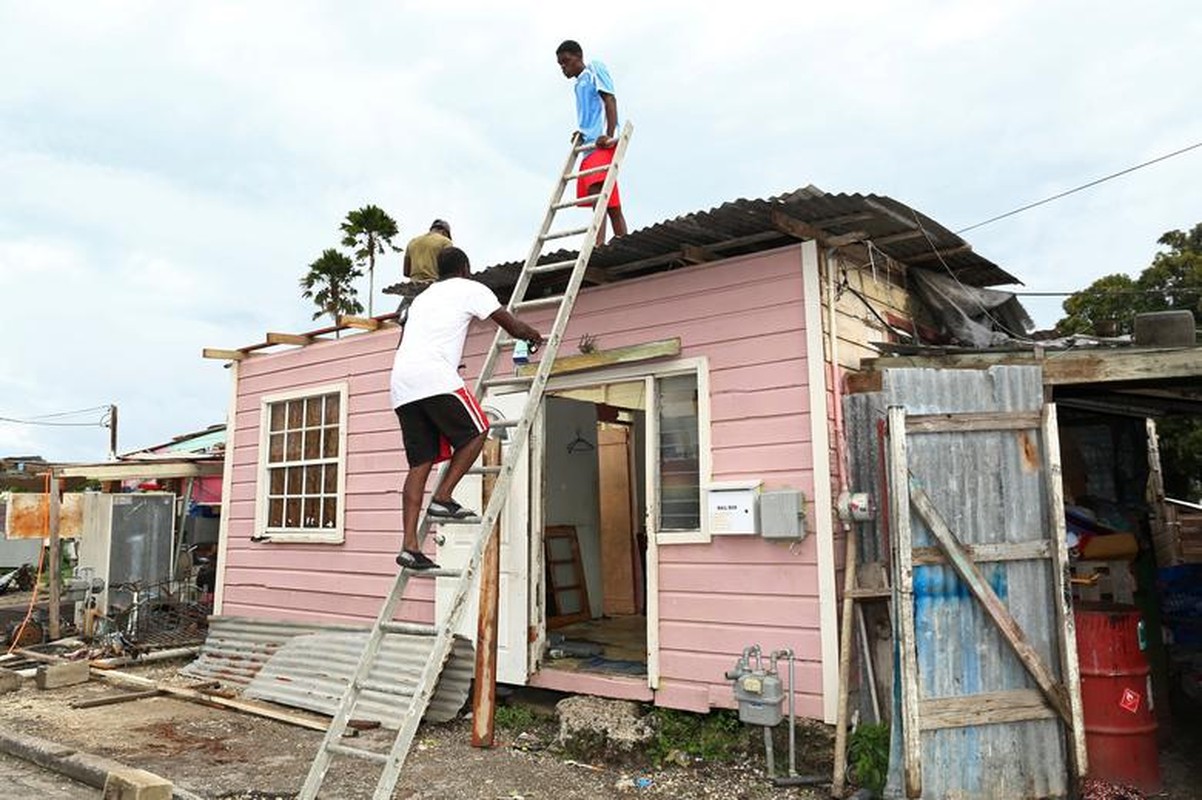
[747, 226]
[238, 649]
[990, 492]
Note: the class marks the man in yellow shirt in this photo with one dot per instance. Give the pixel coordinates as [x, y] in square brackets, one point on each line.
[421, 254]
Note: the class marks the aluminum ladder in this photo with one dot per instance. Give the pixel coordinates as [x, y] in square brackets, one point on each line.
[443, 632]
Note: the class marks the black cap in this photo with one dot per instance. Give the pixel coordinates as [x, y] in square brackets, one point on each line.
[441, 225]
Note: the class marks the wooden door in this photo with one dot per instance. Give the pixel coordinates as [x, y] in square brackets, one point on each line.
[617, 528]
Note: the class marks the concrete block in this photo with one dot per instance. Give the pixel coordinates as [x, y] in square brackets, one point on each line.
[53, 676]
[9, 681]
[128, 783]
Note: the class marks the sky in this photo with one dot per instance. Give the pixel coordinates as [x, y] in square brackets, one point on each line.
[169, 169]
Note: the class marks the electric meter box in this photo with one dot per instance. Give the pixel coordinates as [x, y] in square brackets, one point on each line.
[734, 508]
[783, 515]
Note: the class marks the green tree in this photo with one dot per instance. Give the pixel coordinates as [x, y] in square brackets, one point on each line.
[1105, 306]
[330, 284]
[369, 230]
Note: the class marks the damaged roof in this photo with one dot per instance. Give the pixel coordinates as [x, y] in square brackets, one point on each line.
[746, 226]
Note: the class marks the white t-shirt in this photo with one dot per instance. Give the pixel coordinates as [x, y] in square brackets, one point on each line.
[427, 362]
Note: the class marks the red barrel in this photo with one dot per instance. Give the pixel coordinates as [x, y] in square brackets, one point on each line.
[1116, 695]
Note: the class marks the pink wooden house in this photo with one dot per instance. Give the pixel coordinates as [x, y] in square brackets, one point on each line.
[713, 338]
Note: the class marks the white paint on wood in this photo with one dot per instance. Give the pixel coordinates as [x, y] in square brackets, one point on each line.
[227, 481]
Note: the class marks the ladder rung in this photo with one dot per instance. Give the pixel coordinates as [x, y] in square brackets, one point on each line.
[409, 627]
[584, 148]
[504, 423]
[589, 171]
[516, 380]
[546, 237]
[578, 202]
[356, 752]
[554, 266]
[484, 471]
[435, 573]
[538, 302]
[398, 689]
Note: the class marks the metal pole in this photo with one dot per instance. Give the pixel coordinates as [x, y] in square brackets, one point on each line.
[112, 432]
[55, 578]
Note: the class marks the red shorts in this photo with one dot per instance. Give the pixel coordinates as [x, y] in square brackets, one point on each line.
[597, 158]
[434, 427]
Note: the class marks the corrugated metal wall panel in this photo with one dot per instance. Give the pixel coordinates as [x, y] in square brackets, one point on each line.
[990, 488]
[306, 666]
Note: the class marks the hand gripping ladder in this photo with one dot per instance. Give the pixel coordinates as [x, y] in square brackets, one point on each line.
[442, 633]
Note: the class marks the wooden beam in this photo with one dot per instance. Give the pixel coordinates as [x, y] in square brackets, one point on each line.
[145, 470]
[695, 254]
[677, 255]
[1016, 551]
[844, 219]
[664, 348]
[222, 355]
[362, 323]
[903, 566]
[799, 229]
[55, 556]
[289, 338]
[1016, 705]
[973, 422]
[859, 382]
[484, 697]
[979, 585]
[939, 255]
[904, 236]
[1070, 367]
[596, 275]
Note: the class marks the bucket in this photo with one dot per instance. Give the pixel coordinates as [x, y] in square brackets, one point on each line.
[1116, 696]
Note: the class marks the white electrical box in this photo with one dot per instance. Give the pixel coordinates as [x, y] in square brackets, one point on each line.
[733, 507]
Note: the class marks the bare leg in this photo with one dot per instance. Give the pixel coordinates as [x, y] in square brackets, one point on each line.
[461, 461]
[411, 502]
[619, 221]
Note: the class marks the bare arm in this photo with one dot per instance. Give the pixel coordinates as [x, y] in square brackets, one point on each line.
[611, 119]
[515, 327]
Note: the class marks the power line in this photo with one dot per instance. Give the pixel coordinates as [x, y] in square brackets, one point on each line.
[91, 410]
[1082, 187]
[10, 420]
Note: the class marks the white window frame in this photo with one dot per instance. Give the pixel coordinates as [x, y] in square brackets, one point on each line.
[335, 535]
[649, 373]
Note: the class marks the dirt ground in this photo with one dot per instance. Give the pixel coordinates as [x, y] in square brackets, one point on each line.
[218, 753]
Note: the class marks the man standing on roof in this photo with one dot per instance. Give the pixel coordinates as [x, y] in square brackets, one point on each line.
[421, 254]
[597, 118]
[440, 419]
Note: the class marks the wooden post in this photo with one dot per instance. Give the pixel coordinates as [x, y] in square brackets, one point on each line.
[484, 699]
[845, 647]
[55, 578]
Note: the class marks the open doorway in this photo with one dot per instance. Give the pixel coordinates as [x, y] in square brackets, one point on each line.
[594, 536]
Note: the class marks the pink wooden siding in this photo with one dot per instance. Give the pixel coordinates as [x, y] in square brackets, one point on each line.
[744, 315]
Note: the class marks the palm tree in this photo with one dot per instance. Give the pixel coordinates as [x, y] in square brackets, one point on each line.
[369, 230]
[329, 282]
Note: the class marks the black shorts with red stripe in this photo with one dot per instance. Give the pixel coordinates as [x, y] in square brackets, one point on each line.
[434, 427]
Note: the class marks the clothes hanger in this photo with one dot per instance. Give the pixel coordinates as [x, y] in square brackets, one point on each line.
[580, 444]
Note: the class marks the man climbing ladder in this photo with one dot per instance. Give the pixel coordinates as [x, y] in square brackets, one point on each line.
[440, 635]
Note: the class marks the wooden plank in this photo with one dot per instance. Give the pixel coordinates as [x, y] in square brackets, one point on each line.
[872, 594]
[1018, 705]
[838, 777]
[484, 695]
[803, 230]
[938, 255]
[257, 709]
[973, 422]
[362, 323]
[1013, 551]
[55, 554]
[859, 382]
[289, 338]
[1070, 669]
[978, 584]
[222, 355]
[903, 565]
[117, 698]
[695, 254]
[663, 348]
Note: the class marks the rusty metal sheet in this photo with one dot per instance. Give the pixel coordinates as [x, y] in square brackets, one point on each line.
[28, 516]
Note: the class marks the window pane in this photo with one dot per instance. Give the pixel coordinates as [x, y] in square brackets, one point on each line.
[312, 512]
[312, 444]
[296, 410]
[332, 404]
[329, 513]
[295, 475]
[312, 412]
[313, 480]
[275, 513]
[292, 513]
[331, 479]
[277, 417]
[276, 451]
[292, 449]
[277, 481]
[330, 449]
[679, 454]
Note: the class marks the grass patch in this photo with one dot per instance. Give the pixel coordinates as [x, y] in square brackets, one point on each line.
[717, 736]
[515, 718]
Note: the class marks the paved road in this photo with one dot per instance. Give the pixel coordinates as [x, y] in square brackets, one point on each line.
[24, 779]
